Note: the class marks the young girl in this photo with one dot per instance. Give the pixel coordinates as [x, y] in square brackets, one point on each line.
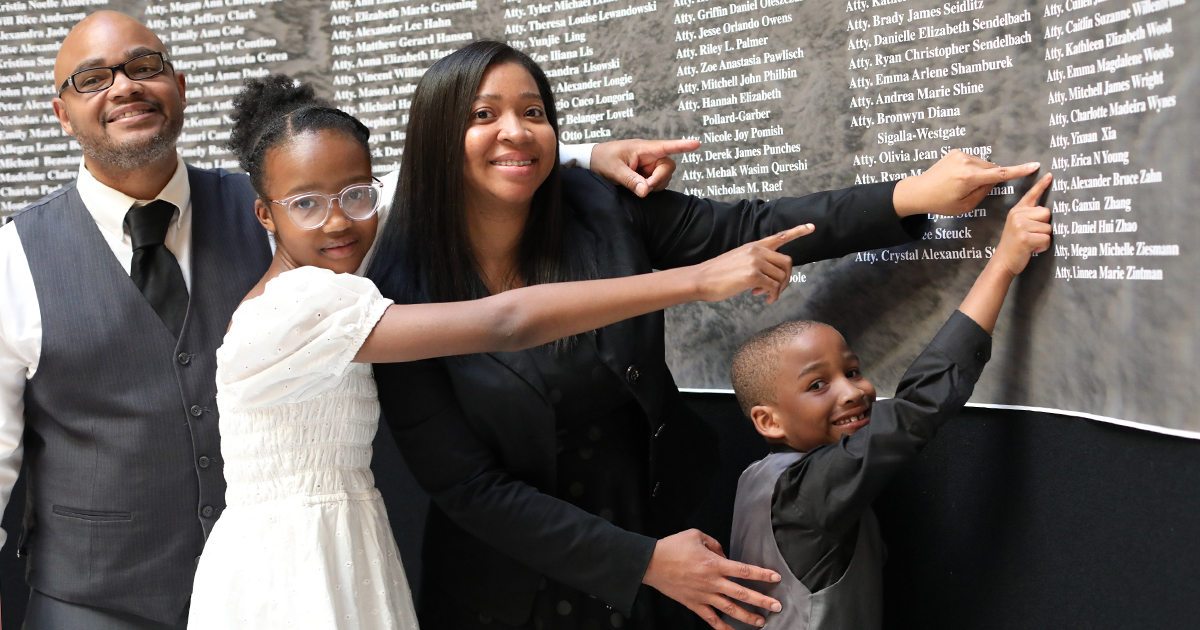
[304, 541]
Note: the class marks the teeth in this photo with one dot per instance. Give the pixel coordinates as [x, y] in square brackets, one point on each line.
[132, 113]
[845, 421]
[513, 162]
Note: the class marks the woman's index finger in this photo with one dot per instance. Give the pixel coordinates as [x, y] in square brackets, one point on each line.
[988, 173]
[671, 147]
[775, 241]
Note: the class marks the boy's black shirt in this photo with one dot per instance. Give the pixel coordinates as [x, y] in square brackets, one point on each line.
[818, 501]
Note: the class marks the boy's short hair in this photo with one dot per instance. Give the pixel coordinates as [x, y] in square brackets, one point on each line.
[756, 362]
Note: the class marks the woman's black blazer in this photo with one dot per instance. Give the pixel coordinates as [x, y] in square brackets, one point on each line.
[478, 431]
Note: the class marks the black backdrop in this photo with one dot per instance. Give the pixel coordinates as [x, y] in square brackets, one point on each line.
[1008, 520]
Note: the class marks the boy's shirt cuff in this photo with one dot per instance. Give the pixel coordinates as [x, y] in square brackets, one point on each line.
[964, 342]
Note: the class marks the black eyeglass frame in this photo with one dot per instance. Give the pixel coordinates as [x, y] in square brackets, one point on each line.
[162, 57]
[375, 185]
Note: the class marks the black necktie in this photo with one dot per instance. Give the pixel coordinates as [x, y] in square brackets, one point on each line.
[155, 270]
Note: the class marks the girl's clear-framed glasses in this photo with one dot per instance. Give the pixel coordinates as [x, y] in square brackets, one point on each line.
[310, 210]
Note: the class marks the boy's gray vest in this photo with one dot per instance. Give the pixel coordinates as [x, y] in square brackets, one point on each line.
[122, 455]
[852, 603]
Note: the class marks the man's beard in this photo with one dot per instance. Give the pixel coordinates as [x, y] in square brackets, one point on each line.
[131, 154]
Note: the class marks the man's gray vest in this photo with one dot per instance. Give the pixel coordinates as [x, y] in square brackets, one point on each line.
[855, 602]
[122, 454]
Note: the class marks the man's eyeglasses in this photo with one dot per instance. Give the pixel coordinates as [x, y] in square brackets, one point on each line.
[139, 68]
[310, 210]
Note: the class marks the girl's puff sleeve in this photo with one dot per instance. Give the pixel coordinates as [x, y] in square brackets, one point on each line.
[297, 339]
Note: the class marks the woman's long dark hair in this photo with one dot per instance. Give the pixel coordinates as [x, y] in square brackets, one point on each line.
[424, 252]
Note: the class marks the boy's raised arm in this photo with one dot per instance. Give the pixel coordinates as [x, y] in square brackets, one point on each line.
[1026, 231]
[818, 499]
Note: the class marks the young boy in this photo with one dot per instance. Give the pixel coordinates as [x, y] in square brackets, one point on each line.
[805, 510]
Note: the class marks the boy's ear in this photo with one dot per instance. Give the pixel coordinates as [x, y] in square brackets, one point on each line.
[765, 422]
[262, 212]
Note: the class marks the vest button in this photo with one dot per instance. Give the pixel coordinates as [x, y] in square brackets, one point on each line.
[184, 358]
[632, 374]
[207, 511]
[204, 461]
[197, 410]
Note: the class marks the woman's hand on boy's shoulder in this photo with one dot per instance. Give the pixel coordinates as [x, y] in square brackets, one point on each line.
[690, 568]
[1027, 229]
[954, 185]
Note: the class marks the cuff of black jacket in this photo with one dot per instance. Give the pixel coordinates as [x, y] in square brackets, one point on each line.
[881, 198]
[965, 342]
[636, 560]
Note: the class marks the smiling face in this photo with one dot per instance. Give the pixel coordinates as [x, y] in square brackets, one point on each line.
[132, 123]
[324, 162]
[510, 145]
[820, 392]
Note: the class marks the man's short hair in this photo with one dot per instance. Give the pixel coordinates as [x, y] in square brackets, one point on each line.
[756, 362]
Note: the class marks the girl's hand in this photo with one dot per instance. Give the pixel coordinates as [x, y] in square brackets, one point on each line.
[954, 185]
[531, 316]
[755, 266]
[1026, 231]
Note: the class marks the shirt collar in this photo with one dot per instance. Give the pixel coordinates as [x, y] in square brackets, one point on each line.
[109, 205]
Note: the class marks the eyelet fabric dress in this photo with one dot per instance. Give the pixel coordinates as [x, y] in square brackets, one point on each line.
[304, 541]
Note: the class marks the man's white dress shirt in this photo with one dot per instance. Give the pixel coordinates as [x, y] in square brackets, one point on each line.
[21, 317]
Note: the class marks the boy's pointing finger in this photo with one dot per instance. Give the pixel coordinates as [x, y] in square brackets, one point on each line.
[1035, 193]
[1041, 214]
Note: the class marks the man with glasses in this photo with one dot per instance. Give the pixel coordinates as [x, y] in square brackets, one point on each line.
[111, 382]
[106, 385]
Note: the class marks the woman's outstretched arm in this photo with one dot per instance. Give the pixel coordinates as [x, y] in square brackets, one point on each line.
[532, 316]
[681, 230]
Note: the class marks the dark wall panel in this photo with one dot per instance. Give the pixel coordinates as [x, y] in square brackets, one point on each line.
[1008, 520]
[789, 97]
[1024, 520]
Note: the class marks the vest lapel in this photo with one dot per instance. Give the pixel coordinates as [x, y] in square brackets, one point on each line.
[98, 252]
[223, 230]
[205, 196]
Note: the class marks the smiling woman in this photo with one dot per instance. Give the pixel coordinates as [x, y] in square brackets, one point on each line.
[510, 150]
[304, 541]
[563, 476]
[503, 132]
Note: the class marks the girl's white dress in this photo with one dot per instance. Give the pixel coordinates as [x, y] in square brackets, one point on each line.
[305, 540]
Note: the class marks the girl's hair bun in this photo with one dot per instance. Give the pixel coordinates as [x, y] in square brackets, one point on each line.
[275, 107]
